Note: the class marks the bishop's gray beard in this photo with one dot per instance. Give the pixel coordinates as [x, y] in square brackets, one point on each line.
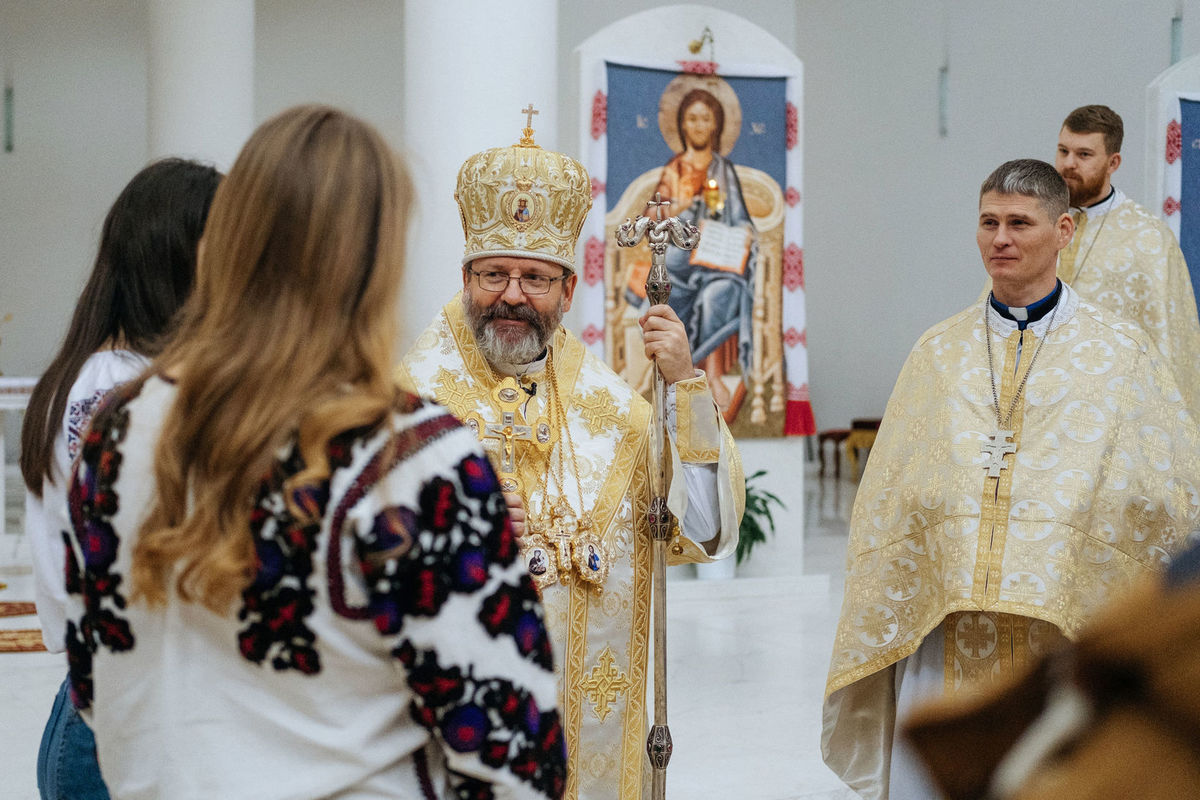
[513, 347]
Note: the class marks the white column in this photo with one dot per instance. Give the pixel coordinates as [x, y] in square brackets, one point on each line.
[14, 396]
[467, 74]
[201, 79]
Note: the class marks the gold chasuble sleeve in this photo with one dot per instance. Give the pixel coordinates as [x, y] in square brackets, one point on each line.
[1103, 486]
[577, 445]
[701, 437]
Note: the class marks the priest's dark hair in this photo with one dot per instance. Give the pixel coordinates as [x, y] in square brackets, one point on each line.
[1030, 178]
[143, 272]
[1098, 119]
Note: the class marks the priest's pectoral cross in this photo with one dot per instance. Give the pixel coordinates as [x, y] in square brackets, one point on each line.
[996, 450]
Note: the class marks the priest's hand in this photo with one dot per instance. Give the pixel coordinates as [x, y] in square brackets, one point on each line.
[516, 512]
[666, 340]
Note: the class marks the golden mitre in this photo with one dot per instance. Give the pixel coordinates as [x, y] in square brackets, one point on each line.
[523, 201]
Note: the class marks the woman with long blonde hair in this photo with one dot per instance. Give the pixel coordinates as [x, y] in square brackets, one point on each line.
[294, 580]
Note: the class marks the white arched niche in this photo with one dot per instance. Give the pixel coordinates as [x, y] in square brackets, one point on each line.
[658, 38]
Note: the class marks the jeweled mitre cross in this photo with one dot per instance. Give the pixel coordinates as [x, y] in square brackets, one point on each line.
[996, 449]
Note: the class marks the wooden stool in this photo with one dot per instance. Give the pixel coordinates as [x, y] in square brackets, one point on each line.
[862, 436]
[837, 436]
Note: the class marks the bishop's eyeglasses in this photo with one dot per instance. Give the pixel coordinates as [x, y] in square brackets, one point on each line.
[531, 284]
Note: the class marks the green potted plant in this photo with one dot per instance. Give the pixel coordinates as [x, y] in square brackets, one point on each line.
[758, 519]
[757, 522]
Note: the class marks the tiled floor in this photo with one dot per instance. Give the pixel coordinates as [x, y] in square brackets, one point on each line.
[747, 661]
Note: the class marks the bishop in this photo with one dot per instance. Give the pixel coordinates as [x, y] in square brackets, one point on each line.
[587, 494]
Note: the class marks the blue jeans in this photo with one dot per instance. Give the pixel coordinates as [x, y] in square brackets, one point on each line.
[67, 768]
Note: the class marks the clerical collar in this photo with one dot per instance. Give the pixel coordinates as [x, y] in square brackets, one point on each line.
[1030, 313]
[1114, 198]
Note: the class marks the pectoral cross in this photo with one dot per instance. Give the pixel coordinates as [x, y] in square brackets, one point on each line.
[509, 430]
[529, 111]
[996, 450]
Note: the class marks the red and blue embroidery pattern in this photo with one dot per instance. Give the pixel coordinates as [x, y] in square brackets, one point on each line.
[93, 502]
[459, 529]
[488, 716]
[276, 605]
[443, 546]
[79, 414]
[455, 540]
[413, 561]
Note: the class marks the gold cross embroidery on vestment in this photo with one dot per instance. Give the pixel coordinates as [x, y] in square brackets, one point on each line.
[453, 392]
[599, 411]
[604, 683]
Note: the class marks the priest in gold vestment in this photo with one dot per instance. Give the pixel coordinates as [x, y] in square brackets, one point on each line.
[569, 439]
[1122, 257]
[1036, 456]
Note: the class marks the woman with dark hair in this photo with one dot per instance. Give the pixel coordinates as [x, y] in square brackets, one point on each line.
[713, 301]
[142, 274]
[291, 579]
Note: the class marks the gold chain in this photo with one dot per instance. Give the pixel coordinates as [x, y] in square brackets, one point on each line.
[987, 335]
[1079, 264]
[558, 413]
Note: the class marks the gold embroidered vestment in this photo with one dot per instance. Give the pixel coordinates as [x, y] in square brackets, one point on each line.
[1103, 487]
[601, 634]
[1129, 262]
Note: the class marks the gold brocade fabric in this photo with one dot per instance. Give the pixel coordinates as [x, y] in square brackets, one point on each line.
[1129, 263]
[1132, 266]
[1067, 256]
[984, 650]
[601, 635]
[1103, 487]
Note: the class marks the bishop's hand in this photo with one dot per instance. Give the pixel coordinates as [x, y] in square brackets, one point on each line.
[516, 512]
[666, 340]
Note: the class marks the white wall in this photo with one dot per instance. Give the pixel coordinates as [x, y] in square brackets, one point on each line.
[79, 79]
[348, 53]
[890, 206]
[80, 96]
[79, 75]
